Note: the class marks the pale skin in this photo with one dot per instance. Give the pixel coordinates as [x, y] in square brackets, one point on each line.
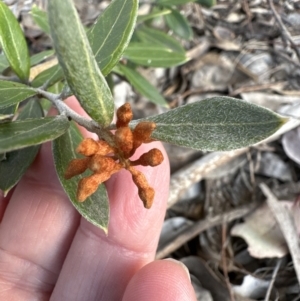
[48, 252]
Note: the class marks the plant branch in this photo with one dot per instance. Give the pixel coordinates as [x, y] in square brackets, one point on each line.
[63, 109]
[89, 124]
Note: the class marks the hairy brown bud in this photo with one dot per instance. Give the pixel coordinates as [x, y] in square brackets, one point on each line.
[124, 140]
[104, 148]
[124, 115]
[89, 185]
[152, 158]
[104, 160]
[146, 193]
[88, 147]
[142, 133]
[99, 164]
[76, 167]
[147, 196]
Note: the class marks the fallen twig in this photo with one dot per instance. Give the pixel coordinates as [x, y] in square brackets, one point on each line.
[288, 39]
[274, 275]
[202, 225]
[287, 225]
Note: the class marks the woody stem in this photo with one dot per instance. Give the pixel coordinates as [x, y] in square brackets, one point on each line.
[88, 124]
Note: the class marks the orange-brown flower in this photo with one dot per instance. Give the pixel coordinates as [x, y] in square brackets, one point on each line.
[104, 159]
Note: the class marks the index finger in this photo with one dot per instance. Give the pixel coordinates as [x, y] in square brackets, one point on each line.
[103, 265]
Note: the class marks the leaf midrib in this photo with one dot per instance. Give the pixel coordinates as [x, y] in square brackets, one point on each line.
[18, 133]
[101, 46]
[215, 124]
[13, 40]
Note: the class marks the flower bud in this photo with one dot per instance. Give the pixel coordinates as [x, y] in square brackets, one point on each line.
[99, 164]
[89, 185]
[142, 133]
[146, 193]
[147, 196]
[124, 115]
[152, 158]
[124, 140]
[88, 147]
[104, 148]
[76, 167]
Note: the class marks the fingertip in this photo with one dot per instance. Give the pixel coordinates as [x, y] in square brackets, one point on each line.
[161, 280]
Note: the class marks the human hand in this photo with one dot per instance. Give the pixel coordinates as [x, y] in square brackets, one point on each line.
[48, 252]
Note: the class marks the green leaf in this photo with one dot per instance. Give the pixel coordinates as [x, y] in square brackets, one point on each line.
[40, 18]
[39, 57]
[13, 43]
[78, 63]
[17, 162]
[152, 15]
[179, 25]
[173, 2]
[8, 113]
[216, 124]
[112, 32]
[12, 93]
[143, 86]
[95, 208]
[207, 3]
[157, 37]
[152, 55]
[19, 134]
[3, 63]
[50, 76]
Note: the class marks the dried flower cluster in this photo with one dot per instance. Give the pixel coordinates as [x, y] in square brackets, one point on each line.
[104, 159]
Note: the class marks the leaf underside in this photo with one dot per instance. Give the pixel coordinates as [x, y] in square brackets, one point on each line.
[12, 93]
[19, 134]
[216, 124]
[95, 208]
[17, 162]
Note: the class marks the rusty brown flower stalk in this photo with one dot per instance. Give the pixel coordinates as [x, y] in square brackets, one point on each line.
[106, 158]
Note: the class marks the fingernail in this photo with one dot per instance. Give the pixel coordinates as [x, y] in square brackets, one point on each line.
[181, 264]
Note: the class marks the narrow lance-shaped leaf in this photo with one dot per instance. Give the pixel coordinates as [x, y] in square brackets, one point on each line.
[40, 18]
[152, 15]
[37, 58]
[112, 32]
[12, 93]
[143, 86]
[13, 43]
[19, 134]
[179, 24]
[207, 3]
[95, 208]
[3, 63]
[49, 76]
[216, 124]
[147, 54]
[173, 2]
[15, 164]
[78, 63]
[151, 35]
[8, 113]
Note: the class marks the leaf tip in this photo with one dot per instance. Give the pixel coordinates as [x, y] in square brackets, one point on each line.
[283, 120]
